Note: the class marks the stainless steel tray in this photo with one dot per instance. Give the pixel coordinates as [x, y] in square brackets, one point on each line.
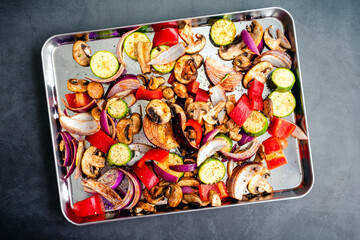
[292, 180]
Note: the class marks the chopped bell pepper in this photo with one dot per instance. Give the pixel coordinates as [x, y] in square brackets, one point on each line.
[89, 206]
[274, 155]
[241, 111]
[198, 129]
[101, 141]
[146, 176]
[76, 100]
[156, 154]
[280, 128]
[219, 187]
[257, 104]
[255, 95]
[201, 95]
[168, 36]
[172, 78]
[193, 87]
[160, 26]
[143, 94]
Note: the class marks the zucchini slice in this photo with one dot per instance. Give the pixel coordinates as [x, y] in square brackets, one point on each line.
[174, 159]
[223, 32]
[130, 43]
[284, 103]
[256, 125]
[161, 68]
[118, 109]
[283, 79]
[211, 171]
[119, 154]
[228, 141]
[104, 64]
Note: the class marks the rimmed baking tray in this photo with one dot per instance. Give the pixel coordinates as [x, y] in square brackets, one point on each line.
[290, 181]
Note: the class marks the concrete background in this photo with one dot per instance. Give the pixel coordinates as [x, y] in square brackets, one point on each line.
[328, 35]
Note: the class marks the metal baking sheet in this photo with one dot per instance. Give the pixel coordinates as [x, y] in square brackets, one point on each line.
[292, 180]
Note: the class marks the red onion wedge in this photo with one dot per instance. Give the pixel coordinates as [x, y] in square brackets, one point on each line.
[216, 71]
[260, 47]
[79, 155]
[244, 139]
[230, 167]
[79, 127]
[217, 94]
[277, 58]
[140, 147]
[184, 167]
[120, 46]
[163, 174]
[112, 178]
[249, 41]
[124, 83]
[67, 151]
[243, 155]
[169, 55]
[83, 109]
[73, 160]
[188, 189]
[209, 148]
[100, 103]
[137, 188]
[130, 99]
[104, 122]
[210, 136]
[179, 134]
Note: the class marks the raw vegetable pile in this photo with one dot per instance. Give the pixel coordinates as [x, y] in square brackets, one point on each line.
[197, 136]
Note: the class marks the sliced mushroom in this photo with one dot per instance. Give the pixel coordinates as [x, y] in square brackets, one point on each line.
[185, 69]
[146, 207]
[231, 125]
[212, 116]
[143, 78]
[81, 53]
[124, 131]
[208, 128]
[186, 33]
[187, 103]
[260, 154]
[152, 199]
[258, 184]
[197, 110]
[234, 49]
[168, 93]
[222, 128]
[95, 90]
[241, 63]
[77, 85]
[180, 90]
[259, 71]
[214, 197]
[199, 60]
[158, 111]
[197, 46]
[136, 123]
[229, 106]
[91, 162]
[284, 41]
[174, 195]
[268, 108]
[190, 182]
[155, 82]
[231, 98]
[95, 113]
[194, 198]
[271, 42]
[256, 31]
[143, 56]
[234, 135]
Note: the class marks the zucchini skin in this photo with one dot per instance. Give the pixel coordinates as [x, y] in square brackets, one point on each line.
[216, 175]
[279, 73]
[279, 107]
[111, 110]
[165, 68]
[111, 157]
[130, 49]
[249, 121]
[230, 145]
[97, 71]
[223, 32]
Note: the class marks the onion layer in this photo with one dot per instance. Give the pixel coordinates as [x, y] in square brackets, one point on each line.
[243, 155]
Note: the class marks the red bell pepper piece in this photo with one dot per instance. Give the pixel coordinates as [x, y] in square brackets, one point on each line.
[159, 26]
[172, 78]
[219, 187]
[156, 154]
[241, 111]
[76, 100]
[198, 129]
[274, 155]
[255, 95]
[280, 128]
[89, 207]
[101, 141]
[146, 176]
[143, 94]
[257, 104]
[193, 87]
[168, 36]
[202, 95]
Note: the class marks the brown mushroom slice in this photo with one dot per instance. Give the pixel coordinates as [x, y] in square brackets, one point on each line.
[214, 198]
[199, 60]
[168, 93]
[208, 128]
[152, 199]
[95, 90]
[259, 71]
[186, 33]
[192, 198]
[188, 182]
[136, 123]
[77, 85]
[90, 162]
[196, 110]
[174, 195]
[197, 46]
[256, 31]
[185, 69]
[271, 42]
[81, 53]
[124, 131]
[143, 78]
[180, 90]
[155, 82]
[241, 63]
[234, 49]
[240, 178]
[211, 117]
[158, 111]
[146, 206]
[268, 108]
[284, 41]
[143, 56]
[258, 184]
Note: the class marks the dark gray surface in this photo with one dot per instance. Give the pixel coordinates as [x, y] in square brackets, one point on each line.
[328, 35]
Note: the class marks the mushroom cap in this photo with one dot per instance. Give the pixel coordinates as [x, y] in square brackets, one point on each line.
[81, 53]
[234, 49]
[124, 131]
[158, 111]
[77, 85]
[271, 42]
[197, 46]
[259, 71]
[185, 69]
